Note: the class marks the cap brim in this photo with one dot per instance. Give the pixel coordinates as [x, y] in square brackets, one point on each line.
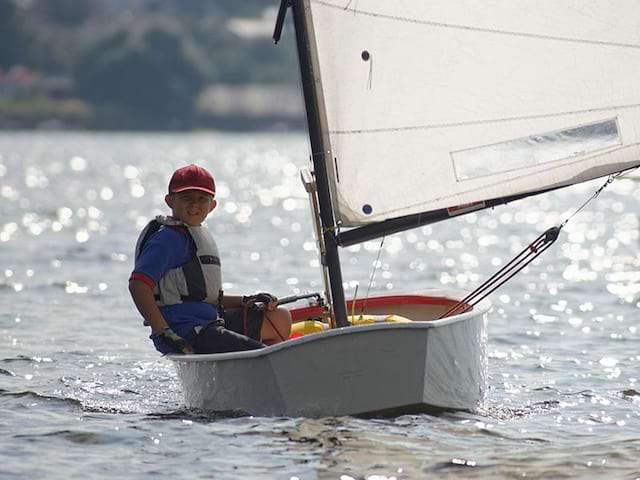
[202, 189]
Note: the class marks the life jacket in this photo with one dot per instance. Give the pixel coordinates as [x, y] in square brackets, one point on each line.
[198, 280]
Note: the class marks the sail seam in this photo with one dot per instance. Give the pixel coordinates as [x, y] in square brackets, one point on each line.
[482, 122]
[432, 23]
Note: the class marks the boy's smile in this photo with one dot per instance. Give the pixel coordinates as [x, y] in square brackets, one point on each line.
[191, 206]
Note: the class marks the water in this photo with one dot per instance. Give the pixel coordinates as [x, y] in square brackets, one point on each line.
[84, 395]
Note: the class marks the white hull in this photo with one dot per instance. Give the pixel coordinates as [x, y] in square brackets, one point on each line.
[368, 369]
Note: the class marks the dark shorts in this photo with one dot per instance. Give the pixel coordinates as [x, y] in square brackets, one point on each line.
[234, 319]
[235, 334]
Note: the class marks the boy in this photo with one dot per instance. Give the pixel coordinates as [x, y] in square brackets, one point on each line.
[176, 282]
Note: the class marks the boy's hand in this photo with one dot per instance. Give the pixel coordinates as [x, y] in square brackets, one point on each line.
[269, 301]
[175, 341]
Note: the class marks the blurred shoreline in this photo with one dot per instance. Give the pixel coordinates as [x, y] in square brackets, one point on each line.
[219, 107]
[146, 65]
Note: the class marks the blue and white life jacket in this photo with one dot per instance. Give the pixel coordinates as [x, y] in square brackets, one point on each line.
[198, 280]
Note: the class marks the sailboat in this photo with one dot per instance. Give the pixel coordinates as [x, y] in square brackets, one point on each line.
[417, 112]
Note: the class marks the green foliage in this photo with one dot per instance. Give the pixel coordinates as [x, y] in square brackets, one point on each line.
[141, 64]
[154, 70]
[234, 60]
[12, 38]
[52, 51]
[221, 8]
[258, 61]
[32, 113]
[70, 13]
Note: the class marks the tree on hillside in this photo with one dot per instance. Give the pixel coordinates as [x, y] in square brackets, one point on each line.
[69, 13]
[245, 60]
[154, 71]
[12, 39]
[223, 8]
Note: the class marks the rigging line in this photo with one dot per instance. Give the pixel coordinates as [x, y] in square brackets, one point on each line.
[506, 273]
[609, 180]
[353, 304]
[431, 23]
[486, 121]
[524, 258]
[373, 273]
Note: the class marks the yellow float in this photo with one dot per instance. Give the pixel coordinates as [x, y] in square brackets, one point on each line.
[307, 327]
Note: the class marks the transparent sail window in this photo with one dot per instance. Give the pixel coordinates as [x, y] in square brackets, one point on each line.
[535, 150]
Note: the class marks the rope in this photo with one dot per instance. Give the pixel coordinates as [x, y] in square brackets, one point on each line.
[373, 273]
[264, 314]
[520, 261]
[595, 194]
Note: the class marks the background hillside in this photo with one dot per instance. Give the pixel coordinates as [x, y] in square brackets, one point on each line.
[146, 64]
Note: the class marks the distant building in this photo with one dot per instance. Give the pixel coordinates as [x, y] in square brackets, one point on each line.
[251, 105]
[18, 81]
[57, 87]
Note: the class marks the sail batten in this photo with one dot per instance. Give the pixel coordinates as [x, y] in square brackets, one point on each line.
[442, 103]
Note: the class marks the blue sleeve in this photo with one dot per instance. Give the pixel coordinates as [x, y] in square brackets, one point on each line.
[166, 249]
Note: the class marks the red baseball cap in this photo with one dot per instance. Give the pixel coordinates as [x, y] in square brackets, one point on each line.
[192, 177]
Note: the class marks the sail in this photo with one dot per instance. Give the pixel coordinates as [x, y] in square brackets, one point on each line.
[445, 104]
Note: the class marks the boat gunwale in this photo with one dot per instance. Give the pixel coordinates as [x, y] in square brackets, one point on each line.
[417, 298]
[480, 309]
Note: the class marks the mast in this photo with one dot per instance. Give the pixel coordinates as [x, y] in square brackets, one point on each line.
[320, 151]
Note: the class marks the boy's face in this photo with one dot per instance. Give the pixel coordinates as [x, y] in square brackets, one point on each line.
[191, 206]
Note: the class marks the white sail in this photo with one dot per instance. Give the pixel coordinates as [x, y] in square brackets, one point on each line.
[434, 104]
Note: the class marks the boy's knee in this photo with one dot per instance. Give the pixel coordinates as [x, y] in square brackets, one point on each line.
[284, 319]
[284, 314]
[217, 339]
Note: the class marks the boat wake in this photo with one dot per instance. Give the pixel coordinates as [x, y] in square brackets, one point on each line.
[509, 412]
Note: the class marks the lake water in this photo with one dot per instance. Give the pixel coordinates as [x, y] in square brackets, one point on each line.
[83, 394]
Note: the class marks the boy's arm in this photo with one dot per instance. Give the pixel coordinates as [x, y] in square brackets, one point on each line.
[142, 296]
[145, 302]
[232, 301]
